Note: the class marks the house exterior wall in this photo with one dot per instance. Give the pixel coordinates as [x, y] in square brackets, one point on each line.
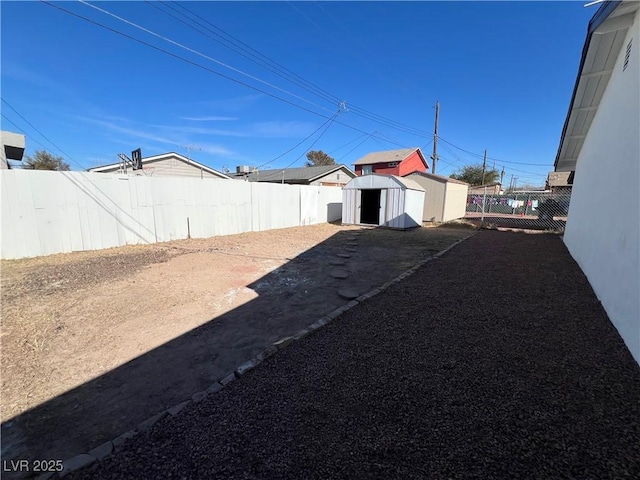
[413, 163]
[380, 168]
[455, 202]
[410, 164]
[167, 167]
[605, 241]
[337, 178]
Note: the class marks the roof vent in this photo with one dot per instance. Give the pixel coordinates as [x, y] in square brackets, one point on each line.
[627, 55]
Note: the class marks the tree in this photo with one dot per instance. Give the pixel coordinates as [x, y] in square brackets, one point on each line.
[316, 158]
[43, 160]
[472, 174]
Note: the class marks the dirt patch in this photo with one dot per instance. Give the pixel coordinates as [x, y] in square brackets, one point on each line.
[95, 342]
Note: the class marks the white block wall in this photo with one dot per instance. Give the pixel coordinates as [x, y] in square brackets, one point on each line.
[603, 227]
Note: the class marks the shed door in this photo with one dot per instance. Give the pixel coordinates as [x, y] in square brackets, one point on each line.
[370, 207]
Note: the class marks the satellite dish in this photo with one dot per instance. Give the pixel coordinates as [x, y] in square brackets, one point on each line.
[225, 169]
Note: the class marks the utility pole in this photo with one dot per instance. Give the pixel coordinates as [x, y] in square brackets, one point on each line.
[501, 176]
[484, 166]
[434, 157]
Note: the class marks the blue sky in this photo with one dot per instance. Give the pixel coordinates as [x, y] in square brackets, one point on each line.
[503, 73]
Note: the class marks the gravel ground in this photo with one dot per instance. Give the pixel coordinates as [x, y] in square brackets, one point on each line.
[494, 361]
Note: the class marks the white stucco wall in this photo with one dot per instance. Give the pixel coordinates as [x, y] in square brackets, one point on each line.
[603, 228]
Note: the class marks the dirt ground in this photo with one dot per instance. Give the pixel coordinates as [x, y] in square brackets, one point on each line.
[95, 342]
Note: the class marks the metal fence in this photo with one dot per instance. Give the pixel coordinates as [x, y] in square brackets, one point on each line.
[529, 210]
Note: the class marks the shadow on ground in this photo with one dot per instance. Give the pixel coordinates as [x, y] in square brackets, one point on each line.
[290, 299]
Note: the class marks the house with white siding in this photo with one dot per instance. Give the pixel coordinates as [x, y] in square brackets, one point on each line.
[165, 165]
[600, 142]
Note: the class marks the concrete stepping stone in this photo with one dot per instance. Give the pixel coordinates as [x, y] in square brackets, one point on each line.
[343, 255]
[351, 249]
[341, 274]
[352, 238]
[336, 262]
[352, 244]
[348, 293]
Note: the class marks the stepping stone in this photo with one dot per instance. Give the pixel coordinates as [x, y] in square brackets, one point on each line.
[352, 238]
[341, 274]
[348, 293]
[336, 262]
[343, 255]
[352, 244]
[349, 249]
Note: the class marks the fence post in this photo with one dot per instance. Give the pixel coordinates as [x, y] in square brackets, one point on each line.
[484, 199]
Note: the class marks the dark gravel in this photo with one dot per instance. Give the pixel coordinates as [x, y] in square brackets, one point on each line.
[495, 361]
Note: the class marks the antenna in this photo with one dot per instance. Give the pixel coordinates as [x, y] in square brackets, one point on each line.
[189, 149]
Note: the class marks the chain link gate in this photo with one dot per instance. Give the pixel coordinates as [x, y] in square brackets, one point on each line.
[530, 210]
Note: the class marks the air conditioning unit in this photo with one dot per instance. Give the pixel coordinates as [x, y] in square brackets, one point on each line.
[242, 169]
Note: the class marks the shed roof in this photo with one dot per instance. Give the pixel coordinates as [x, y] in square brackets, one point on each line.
[375, 181]
[387, 156]
[440, 178]
[300, 174]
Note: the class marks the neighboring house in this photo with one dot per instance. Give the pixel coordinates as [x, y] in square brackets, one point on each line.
[491, 189]
[383, 200]
[12, 148]
[445, 198]
[392, 162]
[560, 182]
[324, 175]
[165, 165]
[600, 143]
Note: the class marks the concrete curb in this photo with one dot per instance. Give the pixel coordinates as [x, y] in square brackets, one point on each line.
[85, 459]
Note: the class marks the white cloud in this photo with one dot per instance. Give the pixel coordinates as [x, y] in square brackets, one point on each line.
[283, 128]
[211, 118]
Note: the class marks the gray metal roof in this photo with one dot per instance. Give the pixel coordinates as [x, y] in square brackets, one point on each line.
[386, 156]
[296, 174]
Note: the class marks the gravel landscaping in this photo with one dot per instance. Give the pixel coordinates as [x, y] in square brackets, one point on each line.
[494, 361]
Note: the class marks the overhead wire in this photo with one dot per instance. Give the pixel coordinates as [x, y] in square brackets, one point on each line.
[298, 144]
[196, 64]
[291, 76]
[71, 159]
[316, 140]
[196, 52]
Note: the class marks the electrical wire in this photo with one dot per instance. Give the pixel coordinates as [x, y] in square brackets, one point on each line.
[289, 75]
[71, 159]
[298, 144]
[316, 140]
[196, 52]
[203, 67]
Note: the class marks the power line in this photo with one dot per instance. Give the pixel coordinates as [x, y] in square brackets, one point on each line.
[42, 135]
[298, 144]
[203, 67]
[289, 75]
[317, 139]
[196, 52]
[14, 124]
[480, 156]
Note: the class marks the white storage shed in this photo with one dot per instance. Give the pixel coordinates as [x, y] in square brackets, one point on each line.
[445, 198]
[384, 200]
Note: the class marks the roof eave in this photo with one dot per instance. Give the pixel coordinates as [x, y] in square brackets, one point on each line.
[600, 16]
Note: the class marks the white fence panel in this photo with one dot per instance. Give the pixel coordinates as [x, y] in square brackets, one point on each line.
[308, 205]
[45, 212]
